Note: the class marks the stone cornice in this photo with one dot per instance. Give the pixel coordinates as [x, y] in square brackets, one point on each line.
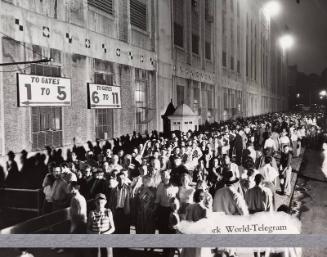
[36, 29]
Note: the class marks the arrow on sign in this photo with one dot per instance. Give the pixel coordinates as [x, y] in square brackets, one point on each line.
[95, 105]
[54, 103]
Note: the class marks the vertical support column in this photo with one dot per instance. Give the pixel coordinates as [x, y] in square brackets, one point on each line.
[91, 119]
[122, 20]
[217, 48]
[117, 112]
[2, 129]
[188, 26]
[202, 33]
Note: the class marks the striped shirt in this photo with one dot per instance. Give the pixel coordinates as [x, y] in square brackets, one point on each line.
[99, 222]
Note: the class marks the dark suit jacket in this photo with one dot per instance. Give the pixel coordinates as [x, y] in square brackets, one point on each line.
[112, 201]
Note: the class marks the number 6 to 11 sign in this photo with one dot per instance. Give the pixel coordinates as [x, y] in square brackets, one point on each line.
[102, 96]
[43, 91]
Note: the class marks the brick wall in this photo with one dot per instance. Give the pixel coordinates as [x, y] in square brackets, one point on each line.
[16, 120]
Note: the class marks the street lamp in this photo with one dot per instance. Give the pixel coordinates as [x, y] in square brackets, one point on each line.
[298, 95]
[272, 9]
[286, 41]
[323, 93]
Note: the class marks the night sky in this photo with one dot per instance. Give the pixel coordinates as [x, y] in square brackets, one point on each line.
[308, 22]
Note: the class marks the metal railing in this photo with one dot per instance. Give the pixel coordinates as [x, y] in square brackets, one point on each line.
[56, 222]
[25, 200]
[41, 224]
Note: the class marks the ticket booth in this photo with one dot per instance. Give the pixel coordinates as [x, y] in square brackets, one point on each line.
[166, 122]
[184, 119]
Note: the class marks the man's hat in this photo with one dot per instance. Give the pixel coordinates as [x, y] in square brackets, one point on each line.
[11, 153]
[100, 196]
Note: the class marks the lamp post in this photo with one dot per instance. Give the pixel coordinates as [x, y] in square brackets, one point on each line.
[286, 41]
[271, 9]
[323, 96]
[323, 93]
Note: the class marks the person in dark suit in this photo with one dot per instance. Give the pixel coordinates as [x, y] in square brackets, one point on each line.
[238, 144]
[99, 185]
[119, 203]
[2, 176]
[14, 177]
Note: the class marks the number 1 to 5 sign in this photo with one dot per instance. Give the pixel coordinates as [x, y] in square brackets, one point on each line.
[43, 91]
[102, 96]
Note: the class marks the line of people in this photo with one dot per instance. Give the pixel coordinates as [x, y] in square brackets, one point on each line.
[153, 182]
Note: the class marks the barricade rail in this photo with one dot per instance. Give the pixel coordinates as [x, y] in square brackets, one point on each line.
[56, 222]
[27, 200]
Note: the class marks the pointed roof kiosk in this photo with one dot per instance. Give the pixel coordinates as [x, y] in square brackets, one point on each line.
[184, 119]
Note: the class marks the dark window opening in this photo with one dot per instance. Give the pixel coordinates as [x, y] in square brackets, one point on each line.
[208, 50]
[103, 5]
[195, 44]
[138, 11]
[224, 59]
[178, 35]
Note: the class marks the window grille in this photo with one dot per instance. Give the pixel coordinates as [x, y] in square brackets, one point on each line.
[103, 5]
[138, 11]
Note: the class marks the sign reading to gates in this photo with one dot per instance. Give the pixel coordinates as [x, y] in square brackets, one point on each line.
[103, 96]
[36, 90]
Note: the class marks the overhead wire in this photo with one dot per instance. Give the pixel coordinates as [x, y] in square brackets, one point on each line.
[16, 70]
[23, 44]
[19, 69]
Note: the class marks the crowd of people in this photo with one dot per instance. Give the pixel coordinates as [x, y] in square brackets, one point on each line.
[152, 182]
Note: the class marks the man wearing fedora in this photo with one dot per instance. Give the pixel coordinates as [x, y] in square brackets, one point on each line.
[227, 199]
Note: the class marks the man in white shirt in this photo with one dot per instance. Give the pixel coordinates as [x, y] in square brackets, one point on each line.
[284, 140]
[60, 190]
[270, 175]
[78, 210]
[115, 164]
[270, 143]
[165, 192]
[268, 171]
[228, 200]
[259, 198]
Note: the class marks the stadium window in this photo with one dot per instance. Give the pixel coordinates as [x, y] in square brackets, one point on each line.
[141, 92]
[178, 35]
[208, 50]
[46, 121]
[178, 6]
[104, 123]
[195, 43]
[138, 11]
[103, 75]
[180, 95]
[103, 5]
[224, 59]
